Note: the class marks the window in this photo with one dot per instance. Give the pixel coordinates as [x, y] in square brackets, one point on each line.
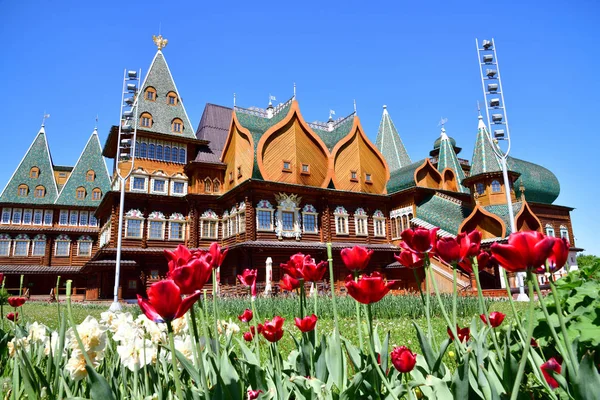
[230, 176]
[90, 176]
[38, 216]
[16, 216]
[23, 190]
[379, 223]
[156, 226]
[167, 156]
[208, 224]
[159, 152]
[207, 185]
[564, 232]
[21, 246]
[176, 222]
[137, 148]
[242, 220]
[309, 219]
[63, 218]
[178, 187]
[360, 222]
[39, 245]
[174, 153]
[496, 186]
[4, 245]
[39, 192]
[73, 218]
[549, 230]
[353, 176]
[225, 224]
[159, 185]
[93, 220]
[341, 220]
[216, 186]
[479, 188]
[239, 171]
[48, 217]
[34, 172]
[144, 150]
[264, 216]
[132, 284]
[182, 156]
[150, 93]
[287, 166]
[80, 193]
[96, 194]
[151, 151]
[62, 174]
[172, 98]
[368, 178]
[27, 216]
[133, 228]
[6, 213]
[84, 246]
[62, 246]
[287, 219]
[305, 169]
[139, 183]
[83, 218]
[177, 125]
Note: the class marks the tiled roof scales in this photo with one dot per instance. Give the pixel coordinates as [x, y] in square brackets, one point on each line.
[447, 159]
[390, 145]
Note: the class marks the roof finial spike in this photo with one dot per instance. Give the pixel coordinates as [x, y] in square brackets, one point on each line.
[96, 126]
[46, 116]
[234, 99]
[479, 109]
[159, 41]
[442, 123]
[355, 107]
[331, 114]
[271, 99]
[294, 91]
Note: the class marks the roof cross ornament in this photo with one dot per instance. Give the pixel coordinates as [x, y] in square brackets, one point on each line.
[442, 122]
[294, 90]
[44, 118]
[354, 106]
[331, 114]
[159, 41]
[96, 126]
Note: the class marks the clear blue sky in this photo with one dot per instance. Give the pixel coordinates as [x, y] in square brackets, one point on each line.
[419, 58]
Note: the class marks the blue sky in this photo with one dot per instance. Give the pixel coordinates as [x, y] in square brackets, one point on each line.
[419, 58]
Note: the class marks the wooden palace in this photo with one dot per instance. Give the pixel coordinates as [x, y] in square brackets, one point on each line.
[264, 183]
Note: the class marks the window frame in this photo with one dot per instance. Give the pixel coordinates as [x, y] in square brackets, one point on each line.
[309, 210]
[340, 213]
[62, 240]
[132, 187]
[361, 220]
[36, 192]
[173, 96]
[3, 220]
[23, 188]
[177, 123]
[80, 193]
[264, 206]
[21, 239]
[5, 240]
[96, 194]
[288, 168]
[182, 227]
[209, 217]
[37, 213]
[84, 214]
[73, 216]
[60, 217]
[148, 90]
[496, 186]
[132, 215]
[564, 233]
[48, 214]
[91, 173]
[36, 243]
[379, 218]
[27, 212]
[87, 240]
[165, 182]
[549, 229]
[156, 217]
[353, 176]
[184, 187]
[34, 171]
[17, 212]
[368, 178]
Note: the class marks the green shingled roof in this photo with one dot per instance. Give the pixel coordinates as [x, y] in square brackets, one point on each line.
[38, 155]
[389, 143]
[484, 160]
[90, 159]
[340, 130]
[501, 210]
[403, 178]
[442, 212]
[541, 185]
[159, 77]
[447, 159]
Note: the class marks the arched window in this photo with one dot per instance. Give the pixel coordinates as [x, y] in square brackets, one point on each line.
[137, 148]
[496, 186]
[21, 246]
[39, 192]
[176, 227]
[177, 125]
[207, 185]
[480, 188]
[23, 190]
[564, 232]
[360, 222]
[174, 153]
[39, 245]
[96, 194]
[156, 226]
[151, 151]
[150, 93]
[34, 172]
[341, 220]
[208, 225]
[550, 230]
[159, 152]
[62, 246]
[146, 120]
[172, 98]
[182, 156]
[143, 150]
[167, 156]
[309, 219]
[216, 186]
[4, 245]
[84, 246]
[90, 176]
[80, 193]
[379, 223]
[134, 224]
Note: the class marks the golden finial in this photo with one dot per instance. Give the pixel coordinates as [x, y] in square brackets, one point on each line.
[160, 42]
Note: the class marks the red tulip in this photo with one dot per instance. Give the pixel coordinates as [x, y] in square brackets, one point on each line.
[403, 359]
[534, 343]
[459, 249]
[369, 288]
[1, 278]
[356, 258]
[463, 334]
[288, 283]
[191, 276]
[306, 324]
[217, 255]
[551, 365]
[496, 318]
[314, 272]
[16, 301]
[410, 259]
[525, 250]
[295, 265]
[180, 256]
[164, 303]
[12, 316]
[273, 330]
[302, 266]
[246, 315]
[253, 394]
[248, 336]
[558, 257]
[248, 279]
[419, 240]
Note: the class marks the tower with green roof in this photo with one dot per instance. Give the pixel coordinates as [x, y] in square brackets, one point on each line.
[447, 160]
[389, 143]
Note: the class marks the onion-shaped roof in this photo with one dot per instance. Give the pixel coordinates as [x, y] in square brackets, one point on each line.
[541, 185]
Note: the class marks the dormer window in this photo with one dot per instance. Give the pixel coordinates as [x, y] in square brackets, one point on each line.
[23, 190]
[496, 188]
[207, 185]
[146, 120]
[305, 169]
[150, 94]
[90, 176]
[80, 193]
[216, 186]
[172, 98]
[287, 166]
[177, 125]
[353, 176]
[479, 188]
[39, 192]
[34, 173]
[368, 178]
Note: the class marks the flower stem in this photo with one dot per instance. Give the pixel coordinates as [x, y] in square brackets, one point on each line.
[216, 314]
[527, 345]
[483, 308]
[332, 285]
[460, 344]
[255, 336]
[563, 327]
[174, 361]
[428, 299]
[454, 294]
[198, 352]
[316, 304]
[358, 321]
[372, 354]
[302, 298]
[512, 302]
[418, 280]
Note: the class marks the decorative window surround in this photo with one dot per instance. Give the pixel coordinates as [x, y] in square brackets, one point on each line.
[156, 226]
[84, 218]
[341, 221]
[63, 218]
[6, 214]
[400, 220]
[379, 223]
[38, 217]
[361, 227]
[39, 246]
[264, 216]
[241, 215]
[136, 180]
[21, 246]
[564, 232]
[159, 183]
[134, 224]
[209, 222]
[105, 234]
[550, 230]
[84, 246]
[73, 217]
[48, 217]
[16, 216]
[27, 216]
[178, 186]
[4, 245]
[177, 227]
[287, 220]
[233, 221]
[308, 214]
[225, 224]
[62, 246]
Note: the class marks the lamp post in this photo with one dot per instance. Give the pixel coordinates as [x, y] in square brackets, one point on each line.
[125, 160]
[496, 109]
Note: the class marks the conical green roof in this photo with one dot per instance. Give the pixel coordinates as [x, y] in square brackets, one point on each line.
[389, 143]
[484, 160]
[89, 160]
[447, 159]
[38, 155]
[159, 77]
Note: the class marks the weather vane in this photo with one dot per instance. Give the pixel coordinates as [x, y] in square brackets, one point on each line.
[159, 41]
[442, 122]
[44, 118]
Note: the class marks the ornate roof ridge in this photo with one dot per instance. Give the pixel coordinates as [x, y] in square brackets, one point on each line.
[449, 198]
[324, 125]
[261, 112]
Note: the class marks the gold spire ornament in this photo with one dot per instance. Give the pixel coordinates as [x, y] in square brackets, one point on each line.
[160, 42]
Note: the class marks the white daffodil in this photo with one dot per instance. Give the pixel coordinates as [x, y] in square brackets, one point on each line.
[157, 332]
[38, 333]
[136, 354]
[183, 344]
[51, 343]
[17, 343]
[180, 326]
[76, 364]
[228, 328]
[92, 334]
[115, 320]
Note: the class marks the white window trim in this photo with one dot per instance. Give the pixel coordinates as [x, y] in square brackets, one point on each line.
[8, 241]
[133, 189]
[68, 248]
[14, 247]
[25, 211]
[358, 218]
[565, 230]
[214, 221]
[41, 212]
[316, 215]
[127, 219]
[344, 217]
[172, 186]
[71, 213]
[82, 212]
[183, 224]
[163, 228]
[166, 185]
[15, 211]
[9, 210]
[548, 228]
[78, 250]
[375, 221]
[34, 247]
[396, 218]
[63, 212]
[241, 216]
[51, 214]
[90, 219]
[270, 211]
